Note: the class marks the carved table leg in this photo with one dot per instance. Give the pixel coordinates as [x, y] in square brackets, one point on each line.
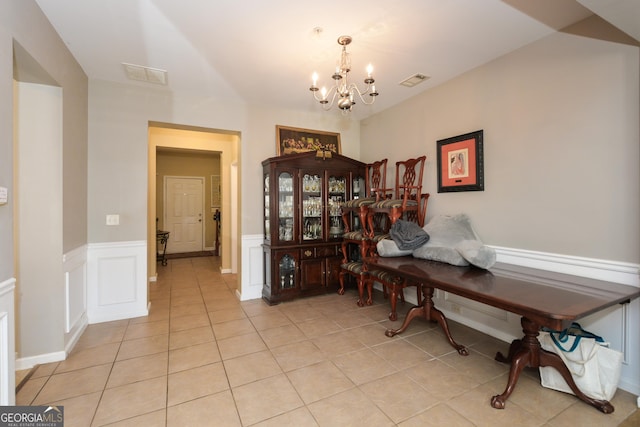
[430, 313]
[528, 352]
[522, 353]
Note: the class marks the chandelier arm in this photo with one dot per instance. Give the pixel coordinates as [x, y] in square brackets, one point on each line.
[327, 94]
[328, 104]
[355, 89]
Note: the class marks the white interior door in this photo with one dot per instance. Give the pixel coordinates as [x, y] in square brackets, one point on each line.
[183, 214]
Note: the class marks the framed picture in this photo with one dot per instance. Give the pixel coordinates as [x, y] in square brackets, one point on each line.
[295, 140]
[461, 163]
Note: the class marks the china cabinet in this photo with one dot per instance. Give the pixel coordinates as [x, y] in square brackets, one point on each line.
[303, 226]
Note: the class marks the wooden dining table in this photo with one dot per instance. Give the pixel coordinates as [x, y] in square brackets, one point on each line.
[539, 300]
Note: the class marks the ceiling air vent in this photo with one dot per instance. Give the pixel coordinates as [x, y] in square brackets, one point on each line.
[413, 80]
[145, 74]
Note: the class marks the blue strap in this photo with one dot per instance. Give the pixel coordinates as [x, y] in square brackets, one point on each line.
[576, 331]
[563, 339]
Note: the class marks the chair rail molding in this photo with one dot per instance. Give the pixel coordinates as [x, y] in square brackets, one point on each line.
[611, 271]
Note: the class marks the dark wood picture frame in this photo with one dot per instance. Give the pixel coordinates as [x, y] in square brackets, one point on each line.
[297, 140]
[461, 163]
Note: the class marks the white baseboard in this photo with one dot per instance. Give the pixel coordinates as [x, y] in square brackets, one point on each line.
[72, 339]
[41, 359]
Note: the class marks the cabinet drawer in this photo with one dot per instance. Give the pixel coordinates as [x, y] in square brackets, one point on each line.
[326, 251]
[320, 252]
[307, 253]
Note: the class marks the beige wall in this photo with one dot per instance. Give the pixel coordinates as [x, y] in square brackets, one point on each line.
[41, 57]
[191, 164]
[38, 232]
[119, 117]
[561, 146]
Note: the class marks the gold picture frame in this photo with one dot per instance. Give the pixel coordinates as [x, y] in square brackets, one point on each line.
[291, 140]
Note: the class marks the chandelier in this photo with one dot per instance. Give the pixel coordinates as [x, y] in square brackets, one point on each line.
[343, 91]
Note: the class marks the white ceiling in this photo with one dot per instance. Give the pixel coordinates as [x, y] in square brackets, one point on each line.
[264, 52]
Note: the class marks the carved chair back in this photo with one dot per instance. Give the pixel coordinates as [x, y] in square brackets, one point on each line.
[409, 179]
[377, 179]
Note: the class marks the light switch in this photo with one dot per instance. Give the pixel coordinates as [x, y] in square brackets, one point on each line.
[113, 219]
[4, 195]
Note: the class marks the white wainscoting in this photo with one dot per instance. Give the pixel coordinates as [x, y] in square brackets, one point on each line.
[252, 271]
[618, 324]
[7, 343]
[117, 284]
[75, 288]
[611, 271]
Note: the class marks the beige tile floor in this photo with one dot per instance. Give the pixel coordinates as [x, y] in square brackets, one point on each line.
[202, 358]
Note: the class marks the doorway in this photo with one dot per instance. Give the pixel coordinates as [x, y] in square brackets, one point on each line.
[197, 143]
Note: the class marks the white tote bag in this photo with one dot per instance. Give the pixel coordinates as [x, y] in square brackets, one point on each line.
[595, 368]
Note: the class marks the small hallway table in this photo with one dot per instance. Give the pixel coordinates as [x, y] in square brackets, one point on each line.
[541, 302]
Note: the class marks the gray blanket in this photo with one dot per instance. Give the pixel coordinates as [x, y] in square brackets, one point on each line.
[408, 235]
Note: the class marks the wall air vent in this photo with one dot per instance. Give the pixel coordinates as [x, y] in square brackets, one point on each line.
[414, 80]
[145, 74]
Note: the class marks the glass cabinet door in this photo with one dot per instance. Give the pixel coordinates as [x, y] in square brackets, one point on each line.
[285, 207]
[287, 272]
[337, 194]
[312, 206]
[267, 218]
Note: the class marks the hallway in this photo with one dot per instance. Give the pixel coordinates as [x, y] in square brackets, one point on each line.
[202, 358]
